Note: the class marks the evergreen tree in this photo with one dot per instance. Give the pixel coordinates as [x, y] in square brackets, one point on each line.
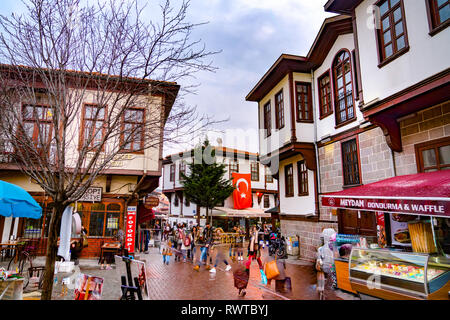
[205, 185]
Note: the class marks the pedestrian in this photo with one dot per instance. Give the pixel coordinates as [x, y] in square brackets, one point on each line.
[241, 276]
[219, 256]
[194, 235]
[185, 243]
[266, 235]
[239, 249]
[204, 242]
[280, 279]
[254, 252]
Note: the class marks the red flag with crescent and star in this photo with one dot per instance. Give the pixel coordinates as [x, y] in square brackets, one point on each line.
[242, 195]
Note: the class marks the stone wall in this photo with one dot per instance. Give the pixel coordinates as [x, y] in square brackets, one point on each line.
[430, 124]
[375, 156]
[309, 235]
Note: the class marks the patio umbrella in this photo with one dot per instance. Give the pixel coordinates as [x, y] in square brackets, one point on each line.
[16, 202]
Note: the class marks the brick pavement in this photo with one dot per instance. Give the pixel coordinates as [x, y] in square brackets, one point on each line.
[178, 281]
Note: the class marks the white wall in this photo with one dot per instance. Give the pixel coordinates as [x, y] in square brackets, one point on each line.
[278, 138]
[303, 131]
[427, 55]
[327, 125]
[296, 205]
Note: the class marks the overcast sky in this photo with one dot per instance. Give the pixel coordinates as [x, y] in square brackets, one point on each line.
[251, 34]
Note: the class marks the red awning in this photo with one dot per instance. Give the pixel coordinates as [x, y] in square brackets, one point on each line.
[144, 214]
[419, 194]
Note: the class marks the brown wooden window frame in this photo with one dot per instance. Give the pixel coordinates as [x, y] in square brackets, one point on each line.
[339, 63]
[429, 145]
[233, 166]
[302, 175]
[289, 180]
[268, 177]
[254, 170]
[138, 150]
[352, 178]
[325, 109]
[267, 119]
[279, 110]
[304, 113]
[181, 169]
[84, 119]
[172, 173]
[105, 213]
[381, 30]
[266, 201]
[434, 19]
[36, 122]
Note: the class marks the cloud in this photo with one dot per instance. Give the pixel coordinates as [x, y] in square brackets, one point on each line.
[252, 34]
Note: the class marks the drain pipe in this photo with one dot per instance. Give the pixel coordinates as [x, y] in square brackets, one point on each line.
[313, 89]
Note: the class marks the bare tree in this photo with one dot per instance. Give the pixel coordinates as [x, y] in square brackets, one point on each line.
[60, 54]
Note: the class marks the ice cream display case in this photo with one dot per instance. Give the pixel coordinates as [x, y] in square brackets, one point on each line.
[389, 274]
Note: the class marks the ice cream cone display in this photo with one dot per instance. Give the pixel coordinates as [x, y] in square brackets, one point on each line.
[422, 237]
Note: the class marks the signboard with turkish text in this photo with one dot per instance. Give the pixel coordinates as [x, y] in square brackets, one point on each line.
[92, 194]
[130, 229]
[151, 202]
[242, 195]
[428, 207]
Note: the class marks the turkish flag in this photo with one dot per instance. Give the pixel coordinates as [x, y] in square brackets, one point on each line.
[242, 195]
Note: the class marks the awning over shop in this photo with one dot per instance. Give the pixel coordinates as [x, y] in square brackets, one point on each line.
[245, 213]
[419, 194]
[144, 214]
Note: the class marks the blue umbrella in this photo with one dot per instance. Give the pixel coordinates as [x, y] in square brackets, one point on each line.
[16, 202]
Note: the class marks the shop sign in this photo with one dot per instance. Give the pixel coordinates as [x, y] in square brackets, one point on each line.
[130, 229]
[92, 194]
[406, 206]
[151, 202]
[381, 230]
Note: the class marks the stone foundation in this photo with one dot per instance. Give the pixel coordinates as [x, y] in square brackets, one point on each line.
[309, 235]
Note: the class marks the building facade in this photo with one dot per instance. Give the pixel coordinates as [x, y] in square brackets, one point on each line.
[369, 101]
[127, 174]
[264, 189]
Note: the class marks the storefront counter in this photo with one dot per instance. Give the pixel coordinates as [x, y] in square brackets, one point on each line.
[342, 273]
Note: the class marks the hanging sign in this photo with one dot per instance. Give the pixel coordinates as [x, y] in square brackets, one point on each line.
[381, 229]
[130, 229]
[151, 202]
[92, 194]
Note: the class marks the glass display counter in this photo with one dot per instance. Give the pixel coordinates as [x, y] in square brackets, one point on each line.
[407, 274]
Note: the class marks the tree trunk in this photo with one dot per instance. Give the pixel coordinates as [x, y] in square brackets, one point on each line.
[52, 247]
[198, 215]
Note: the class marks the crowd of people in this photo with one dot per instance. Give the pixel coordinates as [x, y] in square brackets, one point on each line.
[197, 245]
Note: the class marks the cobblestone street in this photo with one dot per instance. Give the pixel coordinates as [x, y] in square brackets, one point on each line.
[178, 281]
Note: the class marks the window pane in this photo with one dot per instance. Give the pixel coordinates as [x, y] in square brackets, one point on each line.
[429, 158]
[96, 223]
[387, 36]
[441, 2]
[384, 8]
[340, 82]
[348, 77]
[399, 28]
[400, 43]
[394, 2]
[112, 224]
[397, 14]
[388, 50]
[386, 23]
[444, 13]
[444, 155]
